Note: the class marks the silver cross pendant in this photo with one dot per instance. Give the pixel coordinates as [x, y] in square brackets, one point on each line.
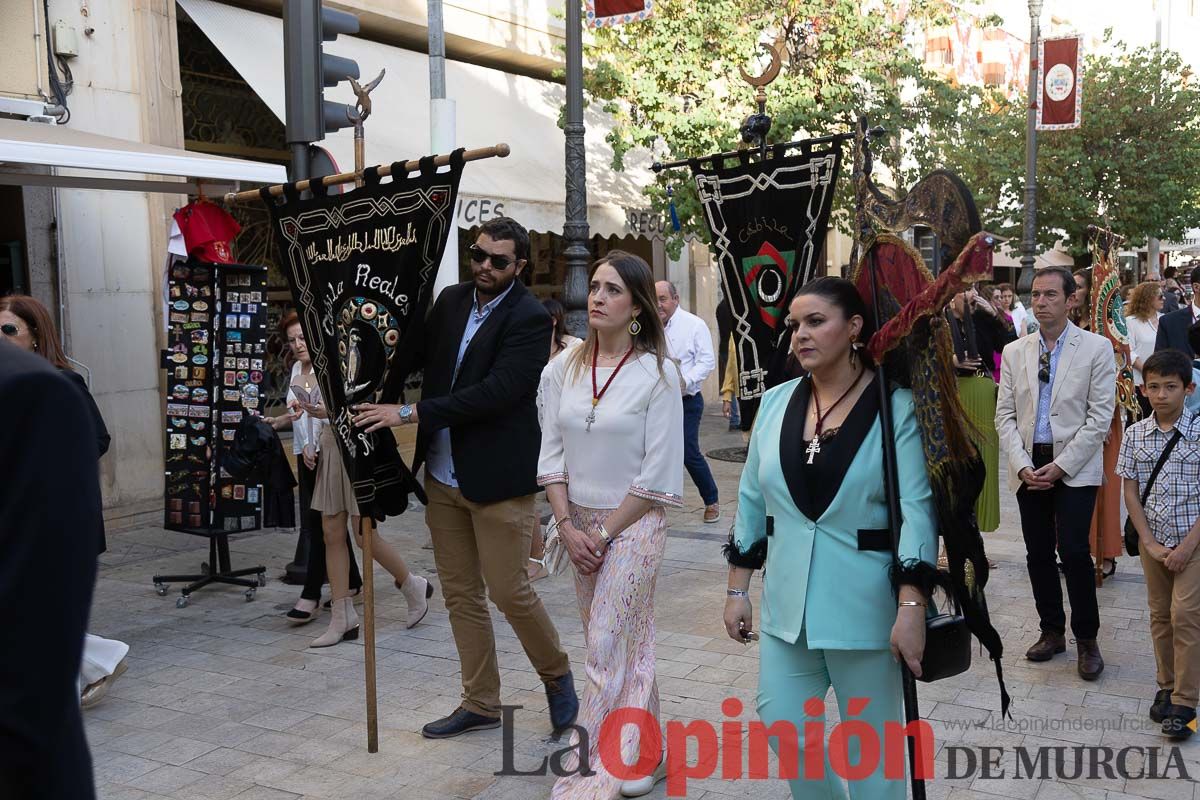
[814, 447]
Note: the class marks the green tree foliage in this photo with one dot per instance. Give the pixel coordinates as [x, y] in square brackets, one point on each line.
[1135, 155]
[673, 82]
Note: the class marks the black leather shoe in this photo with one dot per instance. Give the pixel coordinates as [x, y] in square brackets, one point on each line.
[458, 723]
[564, 703]
[1047, 647]
[1162, 701]
[1178, 722]
[1091, 663]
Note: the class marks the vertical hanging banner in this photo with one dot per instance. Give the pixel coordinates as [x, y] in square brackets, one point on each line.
[1060, 90]
[607, 13]
[361, 267]
[768, 221]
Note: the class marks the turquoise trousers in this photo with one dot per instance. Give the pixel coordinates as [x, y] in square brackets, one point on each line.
[793, 681]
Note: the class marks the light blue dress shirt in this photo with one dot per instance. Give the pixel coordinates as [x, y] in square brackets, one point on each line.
[439, 461]
[1042, 434]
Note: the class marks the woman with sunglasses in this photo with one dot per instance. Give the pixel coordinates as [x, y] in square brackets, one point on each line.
[306, 435]
[26, 323]
[611, 460]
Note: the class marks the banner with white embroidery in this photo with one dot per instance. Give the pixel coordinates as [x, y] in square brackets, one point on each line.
[768, 221]
[361, 267]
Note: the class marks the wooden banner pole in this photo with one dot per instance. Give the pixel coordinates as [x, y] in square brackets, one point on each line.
[366, 527]
[498, 151]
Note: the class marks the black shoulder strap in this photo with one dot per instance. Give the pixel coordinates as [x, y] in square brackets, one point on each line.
[1166, 453]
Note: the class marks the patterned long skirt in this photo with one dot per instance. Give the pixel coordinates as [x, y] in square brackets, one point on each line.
[617, 606]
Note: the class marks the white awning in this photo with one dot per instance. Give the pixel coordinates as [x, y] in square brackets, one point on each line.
[81, 160]
[492, 107]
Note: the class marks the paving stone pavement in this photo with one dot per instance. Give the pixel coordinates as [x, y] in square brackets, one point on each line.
[223, 699]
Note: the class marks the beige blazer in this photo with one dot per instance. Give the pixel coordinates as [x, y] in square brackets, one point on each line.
[1081, 405]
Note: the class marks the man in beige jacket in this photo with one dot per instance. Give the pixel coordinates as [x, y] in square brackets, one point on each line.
[1056, 399]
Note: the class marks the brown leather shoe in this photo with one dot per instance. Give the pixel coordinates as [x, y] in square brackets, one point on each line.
[712, 513]
[1091, 664]
[1047, 647]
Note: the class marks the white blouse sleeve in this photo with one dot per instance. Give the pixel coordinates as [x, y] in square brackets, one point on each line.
[552, 462]
[661, 476]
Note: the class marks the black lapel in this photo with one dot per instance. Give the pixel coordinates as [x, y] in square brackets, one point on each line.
[791, 448]
[849, 439]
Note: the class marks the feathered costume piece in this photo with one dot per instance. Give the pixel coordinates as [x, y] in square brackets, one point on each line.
[913, 343]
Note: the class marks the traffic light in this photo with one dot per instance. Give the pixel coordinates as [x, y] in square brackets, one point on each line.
[308, 70]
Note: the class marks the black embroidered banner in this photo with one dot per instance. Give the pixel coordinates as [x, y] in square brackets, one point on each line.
[361, 267]
[768, 221]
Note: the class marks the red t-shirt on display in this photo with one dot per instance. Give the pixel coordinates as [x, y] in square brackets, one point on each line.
[208, 231]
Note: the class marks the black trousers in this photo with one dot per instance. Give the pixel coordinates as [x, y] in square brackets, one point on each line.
[310, 523]
[1060, 518]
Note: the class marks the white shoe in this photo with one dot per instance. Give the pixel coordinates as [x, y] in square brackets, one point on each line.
[645, 785]
[343, 625]
[416, 591]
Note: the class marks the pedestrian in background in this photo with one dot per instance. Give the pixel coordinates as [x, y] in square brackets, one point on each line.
[1142, 315]
[689, 342]
[1173, 327]
[306, 445]
[1012, 304]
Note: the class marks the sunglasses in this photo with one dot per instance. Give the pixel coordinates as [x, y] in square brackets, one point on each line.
[9, 329]
[478, 255]
[1044, 367]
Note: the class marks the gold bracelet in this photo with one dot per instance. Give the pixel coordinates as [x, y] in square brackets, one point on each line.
[558, 523]
[604, 536]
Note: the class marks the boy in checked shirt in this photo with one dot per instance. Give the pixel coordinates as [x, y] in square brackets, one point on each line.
[1168, 527]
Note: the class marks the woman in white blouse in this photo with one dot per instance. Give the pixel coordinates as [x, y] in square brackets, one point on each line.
[611, 459]
[306, 436]
[1141, 317]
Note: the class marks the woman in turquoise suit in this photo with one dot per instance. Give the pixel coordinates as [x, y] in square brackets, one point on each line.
[812, 513]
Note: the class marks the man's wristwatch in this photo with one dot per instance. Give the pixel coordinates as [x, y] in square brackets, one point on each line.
[406, 413]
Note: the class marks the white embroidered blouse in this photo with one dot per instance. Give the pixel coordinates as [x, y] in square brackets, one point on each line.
[635, 445]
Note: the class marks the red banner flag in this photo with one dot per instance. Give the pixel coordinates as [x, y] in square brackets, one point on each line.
[1060, 91]
[606, 13]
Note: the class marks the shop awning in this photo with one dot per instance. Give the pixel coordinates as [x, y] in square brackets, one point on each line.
[492, 106]
[39, 154]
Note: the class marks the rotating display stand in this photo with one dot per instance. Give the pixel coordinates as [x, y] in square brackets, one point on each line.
[216, 350]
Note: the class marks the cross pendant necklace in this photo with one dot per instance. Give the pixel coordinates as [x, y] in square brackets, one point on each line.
[596, 395]
[814, 446]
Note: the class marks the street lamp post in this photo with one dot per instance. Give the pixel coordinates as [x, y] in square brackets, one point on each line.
[1028, 246]
[575, 228]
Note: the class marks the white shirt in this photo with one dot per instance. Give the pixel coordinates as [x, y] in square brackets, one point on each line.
[1020, 318]
[1142, 336]
[690, 343]
[635, 445]
[306, 429]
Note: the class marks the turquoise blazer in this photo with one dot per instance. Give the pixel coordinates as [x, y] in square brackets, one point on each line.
[830, 577]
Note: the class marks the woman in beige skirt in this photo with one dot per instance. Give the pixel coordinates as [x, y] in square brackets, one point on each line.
[333, 496]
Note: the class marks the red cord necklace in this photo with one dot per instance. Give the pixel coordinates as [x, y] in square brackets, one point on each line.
[591, 417]
[814, 446]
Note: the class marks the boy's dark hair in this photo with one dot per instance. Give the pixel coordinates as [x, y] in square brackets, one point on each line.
[1169, 363]
[1194, 338]
[1170, 272]
[1196, 275]
[507, 228]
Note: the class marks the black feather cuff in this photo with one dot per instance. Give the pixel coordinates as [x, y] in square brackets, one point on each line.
[754, 558]
[921, 574]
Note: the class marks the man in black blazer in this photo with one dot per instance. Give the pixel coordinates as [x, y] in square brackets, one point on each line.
[1173, 327]
[484, 345]
[49, 515]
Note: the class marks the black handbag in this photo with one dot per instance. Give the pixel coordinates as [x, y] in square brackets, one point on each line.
[1131, 534]
[947, 637]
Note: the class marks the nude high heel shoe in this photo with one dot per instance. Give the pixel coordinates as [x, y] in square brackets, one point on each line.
[342, 627]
